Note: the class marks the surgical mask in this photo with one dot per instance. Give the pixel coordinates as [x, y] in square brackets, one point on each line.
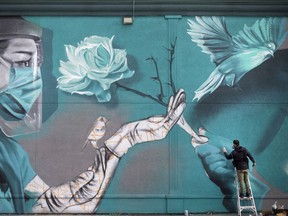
[20, 101]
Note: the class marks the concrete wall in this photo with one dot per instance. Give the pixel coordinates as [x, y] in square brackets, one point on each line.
[167, 175]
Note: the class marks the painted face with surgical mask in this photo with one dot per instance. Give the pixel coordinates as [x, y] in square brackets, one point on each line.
[20, 85]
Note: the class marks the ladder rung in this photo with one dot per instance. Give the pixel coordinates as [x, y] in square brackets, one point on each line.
[248, 207]
[246, 198]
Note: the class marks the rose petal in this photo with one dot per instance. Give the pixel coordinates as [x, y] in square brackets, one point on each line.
[69, 84]
[71, 69]
[104, 96]
[70, 51]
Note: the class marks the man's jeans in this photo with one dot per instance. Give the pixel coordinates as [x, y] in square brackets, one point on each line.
[243, 176]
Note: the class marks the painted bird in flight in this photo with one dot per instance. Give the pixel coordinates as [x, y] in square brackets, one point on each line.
[234, 56]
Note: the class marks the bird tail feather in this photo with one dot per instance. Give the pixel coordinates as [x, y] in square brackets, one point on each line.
[210, 85]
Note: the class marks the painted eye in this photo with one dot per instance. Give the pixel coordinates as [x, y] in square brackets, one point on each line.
[271, 45]
[22, 64]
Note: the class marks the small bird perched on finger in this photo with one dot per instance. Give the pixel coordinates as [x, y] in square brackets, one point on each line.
[96, 133]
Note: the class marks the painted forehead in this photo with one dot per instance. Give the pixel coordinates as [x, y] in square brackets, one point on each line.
[11, 27]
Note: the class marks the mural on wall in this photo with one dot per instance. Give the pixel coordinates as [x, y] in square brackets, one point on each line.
[96, 68]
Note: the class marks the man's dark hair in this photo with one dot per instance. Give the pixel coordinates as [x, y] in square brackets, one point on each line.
[236, 142]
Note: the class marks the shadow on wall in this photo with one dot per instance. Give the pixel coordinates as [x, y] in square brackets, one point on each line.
[50, 93]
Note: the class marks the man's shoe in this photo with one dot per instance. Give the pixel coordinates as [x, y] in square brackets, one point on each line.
[241, 195]
[248, 195]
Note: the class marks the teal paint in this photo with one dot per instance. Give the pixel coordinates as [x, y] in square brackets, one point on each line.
[164, 176]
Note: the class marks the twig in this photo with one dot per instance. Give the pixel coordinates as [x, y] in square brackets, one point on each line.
[172, 52]
[141, 94]
[161, 95]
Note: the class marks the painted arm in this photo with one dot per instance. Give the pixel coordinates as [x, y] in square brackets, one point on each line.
[84, 193]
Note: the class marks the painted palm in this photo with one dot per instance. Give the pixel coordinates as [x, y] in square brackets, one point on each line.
[235, 56]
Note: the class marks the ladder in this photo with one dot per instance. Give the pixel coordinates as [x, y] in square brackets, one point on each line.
[245, 203]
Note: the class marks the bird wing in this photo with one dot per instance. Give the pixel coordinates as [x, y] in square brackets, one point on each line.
[250, 46]
[210, 33]
[267, 32]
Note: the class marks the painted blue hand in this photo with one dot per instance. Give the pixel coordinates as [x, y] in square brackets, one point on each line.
[221, 171]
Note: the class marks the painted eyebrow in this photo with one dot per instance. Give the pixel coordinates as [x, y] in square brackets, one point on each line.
[24, 52]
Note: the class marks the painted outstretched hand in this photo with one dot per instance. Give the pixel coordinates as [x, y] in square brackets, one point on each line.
[219, 170]
[150, 129]
[159, 126]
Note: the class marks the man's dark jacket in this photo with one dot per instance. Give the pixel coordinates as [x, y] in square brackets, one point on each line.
[240, 157]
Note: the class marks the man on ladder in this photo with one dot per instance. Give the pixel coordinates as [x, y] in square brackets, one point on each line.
[240, 157]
